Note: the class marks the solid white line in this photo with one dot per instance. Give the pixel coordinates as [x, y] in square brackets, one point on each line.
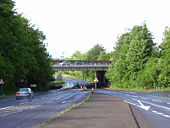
[156, 105]
[129, 102]
[6, 107]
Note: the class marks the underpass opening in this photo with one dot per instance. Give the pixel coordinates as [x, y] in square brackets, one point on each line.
[89, 69]
[103, 82]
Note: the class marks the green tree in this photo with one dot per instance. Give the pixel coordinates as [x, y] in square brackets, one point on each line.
[132, 52]
[140, 50]
[23, 55]
[94, 52]
[164, 77]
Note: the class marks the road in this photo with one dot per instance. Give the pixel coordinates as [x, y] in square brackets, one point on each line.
[154, 107]
[25, 113]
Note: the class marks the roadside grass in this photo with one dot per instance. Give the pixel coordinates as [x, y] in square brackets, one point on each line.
[63, 112]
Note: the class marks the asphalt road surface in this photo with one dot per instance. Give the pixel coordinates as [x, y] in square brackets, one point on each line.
[154, 107]
[25, 113]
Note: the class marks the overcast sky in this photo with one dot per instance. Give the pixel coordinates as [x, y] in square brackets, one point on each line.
[71, 25]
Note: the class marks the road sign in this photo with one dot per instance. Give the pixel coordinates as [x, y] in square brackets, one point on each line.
[95, 79]
[1, 81]
[33, 85]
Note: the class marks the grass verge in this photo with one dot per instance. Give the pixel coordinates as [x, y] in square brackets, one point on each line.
[67, 110]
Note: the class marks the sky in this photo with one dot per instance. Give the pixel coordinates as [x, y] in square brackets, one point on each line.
[78, 25]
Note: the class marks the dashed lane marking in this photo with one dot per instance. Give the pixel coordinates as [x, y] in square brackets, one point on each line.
[135, 96]
[63, 102]
[144, 98]
[23, 103]
[168, 116]
[157, 101]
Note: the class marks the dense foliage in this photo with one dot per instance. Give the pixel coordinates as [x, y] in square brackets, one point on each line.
[137, 62]
[23, 56]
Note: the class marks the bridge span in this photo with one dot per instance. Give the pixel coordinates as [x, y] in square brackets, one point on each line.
[99, 67]
[81, 66]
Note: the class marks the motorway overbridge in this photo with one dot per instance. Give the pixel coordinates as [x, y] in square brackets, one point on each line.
[99, 67]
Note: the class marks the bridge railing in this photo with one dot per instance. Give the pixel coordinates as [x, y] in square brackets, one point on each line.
[83, 63]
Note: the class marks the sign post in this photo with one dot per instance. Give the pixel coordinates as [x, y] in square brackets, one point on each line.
[95, 81]
[2, 83]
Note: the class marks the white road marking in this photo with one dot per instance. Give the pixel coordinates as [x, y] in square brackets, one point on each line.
[23, 103]
[134, 99]
[135, 96]
[132, 92]
[156, 105]
[11, 113]
[168, 103]
[161, 114]
[143, 106]
[6, 107]
[157, 101]
[130, 103]
[144, 98]
[63, 102]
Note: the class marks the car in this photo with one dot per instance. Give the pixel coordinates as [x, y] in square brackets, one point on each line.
[55, 86]
[78, 63]
[67, 63]
[24, 93]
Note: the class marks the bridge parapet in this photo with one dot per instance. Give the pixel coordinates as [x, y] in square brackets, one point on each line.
[84, 66]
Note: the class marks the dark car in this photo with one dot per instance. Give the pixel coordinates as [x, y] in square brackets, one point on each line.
[55, 86]
[78, 63]
[24, 93]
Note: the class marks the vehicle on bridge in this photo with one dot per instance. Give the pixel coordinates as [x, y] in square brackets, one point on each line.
[78, 63]
[65, 63]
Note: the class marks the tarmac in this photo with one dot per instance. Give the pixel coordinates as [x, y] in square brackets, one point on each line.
[100, 111]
